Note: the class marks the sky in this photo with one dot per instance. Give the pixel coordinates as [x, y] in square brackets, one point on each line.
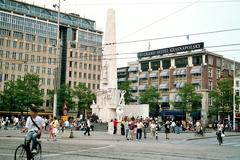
[146, 19]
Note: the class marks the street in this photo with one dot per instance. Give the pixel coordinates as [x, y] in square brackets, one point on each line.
[102, 146]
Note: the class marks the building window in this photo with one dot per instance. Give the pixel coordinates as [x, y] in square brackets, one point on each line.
[166, 64]
[50, 50]
[98, 86]
[71, 54]
[33, 47]
[44, 49]
[21, 45]
[25, 68]
[210, 87]
[70, 83]
[210, 101]
[39, 48]
[155, 65]
[20, 55]
[19, 67]
[237, 83]
[19, 77]
[32, 58]
[38, 70]
[89, 66]
[1, 42]
[94, 67]
[70, 74]
[89, 85]
[1, 53]
[7, 54]
[13, 77]
[43, 81]
[44, 59]
[181, 62]
[38, 59]
[94, 86]
[48, 81]
[14, 44]
[13, 66]
[27, 46]
[76, 55]
[49, 71]
[210, 60]
[75, 65]
[98, 77]
[145, 66]
[26, 57]
[80, 74]
[85, 75]
[218, 73]
[75, 74]
[0, 65]
[237, 93]
[89, 76]
[8, 44]
[49, 60]
[14, 55]
[85, 66]
[32, 69]
[197, 60]
[43, 70]
[80, 65]
[6, 77]
[70, 63]
[94, 76]
[99, 67]
[210, 72]
[218, 62]
[6, 65]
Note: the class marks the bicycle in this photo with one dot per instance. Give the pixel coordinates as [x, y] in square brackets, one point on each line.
[23, 151]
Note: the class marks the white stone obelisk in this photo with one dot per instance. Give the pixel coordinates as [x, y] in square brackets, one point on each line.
[108, 95]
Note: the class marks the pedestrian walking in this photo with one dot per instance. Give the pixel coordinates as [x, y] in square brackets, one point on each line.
[178, 126]
[139, 129]
[132, 128]
[122, 129]
[87, 127]
[145, 126]
[220, 133]
[50, 130]
[167, 129]
[173, 125]
[115, 126]
[153, 127]
[55, 126]
[126, 127]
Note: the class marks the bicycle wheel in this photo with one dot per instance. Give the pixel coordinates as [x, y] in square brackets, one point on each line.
[20, 153]
[38, 155]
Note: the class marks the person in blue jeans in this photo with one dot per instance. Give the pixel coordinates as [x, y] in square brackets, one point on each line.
[34, 126]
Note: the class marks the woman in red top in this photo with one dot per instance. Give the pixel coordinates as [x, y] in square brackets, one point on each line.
[115, 126]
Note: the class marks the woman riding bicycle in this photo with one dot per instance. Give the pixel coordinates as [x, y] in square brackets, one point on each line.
[34, 126]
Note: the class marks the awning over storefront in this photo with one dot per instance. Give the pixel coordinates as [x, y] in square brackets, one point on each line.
[163, 86]
[196, 82]
[142, 87]
[196, 70]
[143, 76]
[153, 75]
[179, 72]
[164, 73]
[179, 84]
[133, 69]
[174, 113]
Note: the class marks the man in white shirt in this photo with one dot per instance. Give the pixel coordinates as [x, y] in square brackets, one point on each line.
[34, 126]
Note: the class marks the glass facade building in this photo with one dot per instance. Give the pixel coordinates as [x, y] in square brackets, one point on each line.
[28, 43]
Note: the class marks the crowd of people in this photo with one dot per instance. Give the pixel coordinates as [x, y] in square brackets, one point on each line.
[136, 128]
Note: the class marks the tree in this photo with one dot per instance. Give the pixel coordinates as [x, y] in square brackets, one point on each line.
[65, 96]
[189, 99]
[151, 97]
[84, 96]
[126, 87]
[222, 98]
[19, 95]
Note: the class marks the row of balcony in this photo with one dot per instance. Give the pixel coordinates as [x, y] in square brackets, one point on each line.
[163, 99]
[164, 86]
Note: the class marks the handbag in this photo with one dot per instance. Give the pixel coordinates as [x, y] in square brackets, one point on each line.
[39, 135]
[222, 135]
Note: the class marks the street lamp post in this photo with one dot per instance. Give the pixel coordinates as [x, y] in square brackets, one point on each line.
[58, 61]
[234, 95]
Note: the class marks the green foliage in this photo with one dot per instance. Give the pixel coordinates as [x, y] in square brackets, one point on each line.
[151, 97]
[189, 98]
[65, 95]
[222, 98]
[126, 87]
[84, 96]
[19, 95]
